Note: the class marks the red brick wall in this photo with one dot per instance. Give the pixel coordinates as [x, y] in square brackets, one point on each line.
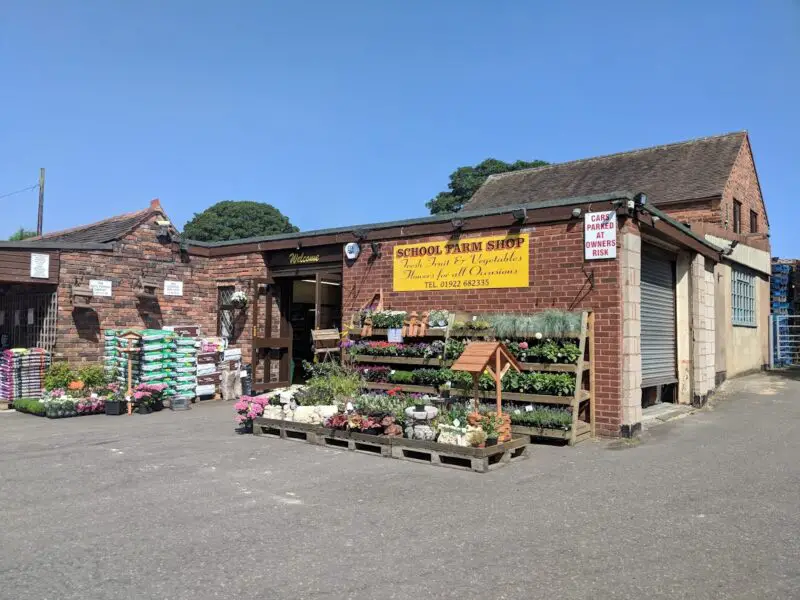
[707, 211]
[743, 186]
[557, 280]
[139, 253]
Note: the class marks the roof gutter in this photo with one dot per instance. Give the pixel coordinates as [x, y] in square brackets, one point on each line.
[55, 245]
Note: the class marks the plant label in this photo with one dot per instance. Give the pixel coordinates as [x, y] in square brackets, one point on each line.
[395, 336]
[528, 408]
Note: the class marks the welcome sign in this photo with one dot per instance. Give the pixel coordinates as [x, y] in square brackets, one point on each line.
[474, 263]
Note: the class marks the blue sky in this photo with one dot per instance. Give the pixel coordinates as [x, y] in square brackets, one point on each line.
[356, 111]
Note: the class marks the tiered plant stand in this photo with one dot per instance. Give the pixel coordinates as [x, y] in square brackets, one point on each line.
[581, 402]
[478, 460]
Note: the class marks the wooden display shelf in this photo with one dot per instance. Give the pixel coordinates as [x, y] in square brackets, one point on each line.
[401, 360]
[553, 367]
[412, 389]
[510, 396]
[582, 432]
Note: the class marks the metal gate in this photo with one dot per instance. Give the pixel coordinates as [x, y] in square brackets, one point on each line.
[784, 340]
[28, 320]
[658, 341]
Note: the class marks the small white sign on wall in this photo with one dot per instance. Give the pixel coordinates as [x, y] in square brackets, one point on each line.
[600, 235]
[100, 287]
[40, 266]
[173, 288]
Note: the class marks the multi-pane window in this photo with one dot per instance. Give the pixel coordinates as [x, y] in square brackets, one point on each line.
[737, 216]
[743, 298]
[225, 311]
[753, 221]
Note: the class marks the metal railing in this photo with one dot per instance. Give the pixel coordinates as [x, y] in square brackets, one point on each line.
[784, 340]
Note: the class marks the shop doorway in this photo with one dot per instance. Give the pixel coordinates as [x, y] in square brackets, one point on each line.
[316, 304]
[658, 333]
[302, 293]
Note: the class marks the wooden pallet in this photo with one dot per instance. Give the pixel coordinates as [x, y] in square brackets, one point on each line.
[479, 460]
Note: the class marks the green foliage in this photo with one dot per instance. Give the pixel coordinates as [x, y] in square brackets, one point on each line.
[388, 319]
[384, 403]
[401, 377]
[230, 220]
[330, 383]
[453, 348]
[92, 376]
[21, 234]
[458, 379]
[58, 376]
[553, 384]
[544, 417]
[548, 323]
[30, 406]
[426, 376]
[465, 181]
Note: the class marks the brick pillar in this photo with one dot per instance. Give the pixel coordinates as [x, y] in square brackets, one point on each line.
[630, 256]
[703, 333]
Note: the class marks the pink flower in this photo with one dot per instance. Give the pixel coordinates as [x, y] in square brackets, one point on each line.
[523, 345]
[241, 405]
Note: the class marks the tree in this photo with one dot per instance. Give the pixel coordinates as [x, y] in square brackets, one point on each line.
[21, 234]
[465, 181]
[232, 220]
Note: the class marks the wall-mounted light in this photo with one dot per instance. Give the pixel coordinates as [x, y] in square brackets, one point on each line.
[299, 245]
[656, 219]
[457, 224]
[576, 212]
[640, 199]
[376, 250]
[520, 214]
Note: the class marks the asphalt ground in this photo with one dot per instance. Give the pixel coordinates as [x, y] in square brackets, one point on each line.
[176, 505]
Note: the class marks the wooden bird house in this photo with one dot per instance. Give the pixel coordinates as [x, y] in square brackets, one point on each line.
[490, 357]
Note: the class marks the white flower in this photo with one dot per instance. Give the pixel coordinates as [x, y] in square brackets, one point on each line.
[538, 335]
[456, 423]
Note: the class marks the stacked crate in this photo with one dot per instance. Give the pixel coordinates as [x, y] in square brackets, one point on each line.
[781, 299]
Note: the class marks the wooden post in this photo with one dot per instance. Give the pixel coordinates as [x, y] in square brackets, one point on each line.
[592, 360]
[576, 399]
[475, 390]
[497, 385]
[130, 376]
[39, 221]
[317, 300]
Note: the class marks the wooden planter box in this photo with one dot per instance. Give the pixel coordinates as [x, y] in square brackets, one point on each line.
[582, 432]
[401, 360]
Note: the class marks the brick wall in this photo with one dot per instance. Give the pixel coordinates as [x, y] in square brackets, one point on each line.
[743, 186]
[140, 254]
[557, 280]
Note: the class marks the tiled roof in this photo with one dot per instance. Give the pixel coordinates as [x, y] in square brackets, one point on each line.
[683, 171]
[107, 230]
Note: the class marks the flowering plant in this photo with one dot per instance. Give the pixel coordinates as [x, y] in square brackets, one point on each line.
[249, 408]
[149, 394]
[370, 423]
[338, 421]
[239, 299]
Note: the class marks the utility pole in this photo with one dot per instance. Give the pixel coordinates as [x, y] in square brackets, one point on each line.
[41, 202]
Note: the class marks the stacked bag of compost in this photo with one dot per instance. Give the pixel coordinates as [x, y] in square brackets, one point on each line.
[185, 380]
[22, 373]
[158, 359]
[116, 361]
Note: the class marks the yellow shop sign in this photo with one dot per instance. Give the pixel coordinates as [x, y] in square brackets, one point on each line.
[473, 263]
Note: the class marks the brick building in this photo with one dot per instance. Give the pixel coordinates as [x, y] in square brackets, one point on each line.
[677, 309]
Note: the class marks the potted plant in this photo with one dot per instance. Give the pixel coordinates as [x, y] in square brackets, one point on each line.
[115, 404]
[476, 438]
[419, 405]
[371, 426]
[249, 408]
[239, 299]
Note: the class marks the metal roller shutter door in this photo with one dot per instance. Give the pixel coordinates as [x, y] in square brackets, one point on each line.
[658, 319]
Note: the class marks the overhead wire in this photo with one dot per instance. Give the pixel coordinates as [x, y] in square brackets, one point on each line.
[27, 189]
